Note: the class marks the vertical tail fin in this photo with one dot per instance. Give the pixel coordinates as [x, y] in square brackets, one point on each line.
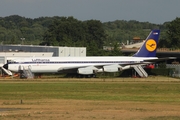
[148, 49]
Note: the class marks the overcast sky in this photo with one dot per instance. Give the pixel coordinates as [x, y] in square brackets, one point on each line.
[153, 11]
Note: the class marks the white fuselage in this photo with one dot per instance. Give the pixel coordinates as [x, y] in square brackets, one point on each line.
[57, 64]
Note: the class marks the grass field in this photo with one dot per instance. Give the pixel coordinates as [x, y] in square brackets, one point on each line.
[79, 99]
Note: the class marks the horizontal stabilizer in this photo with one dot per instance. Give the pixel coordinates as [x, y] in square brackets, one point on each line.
[160, 59]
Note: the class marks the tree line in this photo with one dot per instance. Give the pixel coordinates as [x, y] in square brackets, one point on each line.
[92, 34]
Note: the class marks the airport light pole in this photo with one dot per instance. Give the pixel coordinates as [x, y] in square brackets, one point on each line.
[22, 41]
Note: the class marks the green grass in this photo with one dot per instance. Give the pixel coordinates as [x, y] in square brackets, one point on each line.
[163, 118]
[121, 91]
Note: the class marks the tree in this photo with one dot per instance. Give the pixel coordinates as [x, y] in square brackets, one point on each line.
[173, 33]
[95, 32]
[115, 51]
[72, 32]
[68, 31]
[63, 32]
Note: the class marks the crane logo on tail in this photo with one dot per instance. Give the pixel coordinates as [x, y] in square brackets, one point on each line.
[151, 45]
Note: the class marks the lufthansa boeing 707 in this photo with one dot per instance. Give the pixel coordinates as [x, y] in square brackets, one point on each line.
[88, 65]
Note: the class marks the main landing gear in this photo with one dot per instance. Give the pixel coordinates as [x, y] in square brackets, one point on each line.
[75, 75]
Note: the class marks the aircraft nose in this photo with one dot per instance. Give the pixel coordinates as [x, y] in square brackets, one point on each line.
[5, 66]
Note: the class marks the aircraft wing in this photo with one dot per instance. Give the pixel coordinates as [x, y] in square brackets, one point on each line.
[100, 67]
[89, 69]
[85, 66]
[97, 66]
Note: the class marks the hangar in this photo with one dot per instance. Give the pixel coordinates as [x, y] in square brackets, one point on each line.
[56, 50]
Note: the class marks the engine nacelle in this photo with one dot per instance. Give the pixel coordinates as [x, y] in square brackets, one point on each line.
[115, 68]
[110, 69]
[85, 71]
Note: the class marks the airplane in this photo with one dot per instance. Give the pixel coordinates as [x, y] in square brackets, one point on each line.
[88, 65]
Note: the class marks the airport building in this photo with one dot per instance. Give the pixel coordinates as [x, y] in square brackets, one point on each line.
[8, 52]
[56, 50]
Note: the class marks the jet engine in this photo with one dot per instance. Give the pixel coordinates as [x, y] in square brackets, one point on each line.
[85, 71]
[115, 68]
